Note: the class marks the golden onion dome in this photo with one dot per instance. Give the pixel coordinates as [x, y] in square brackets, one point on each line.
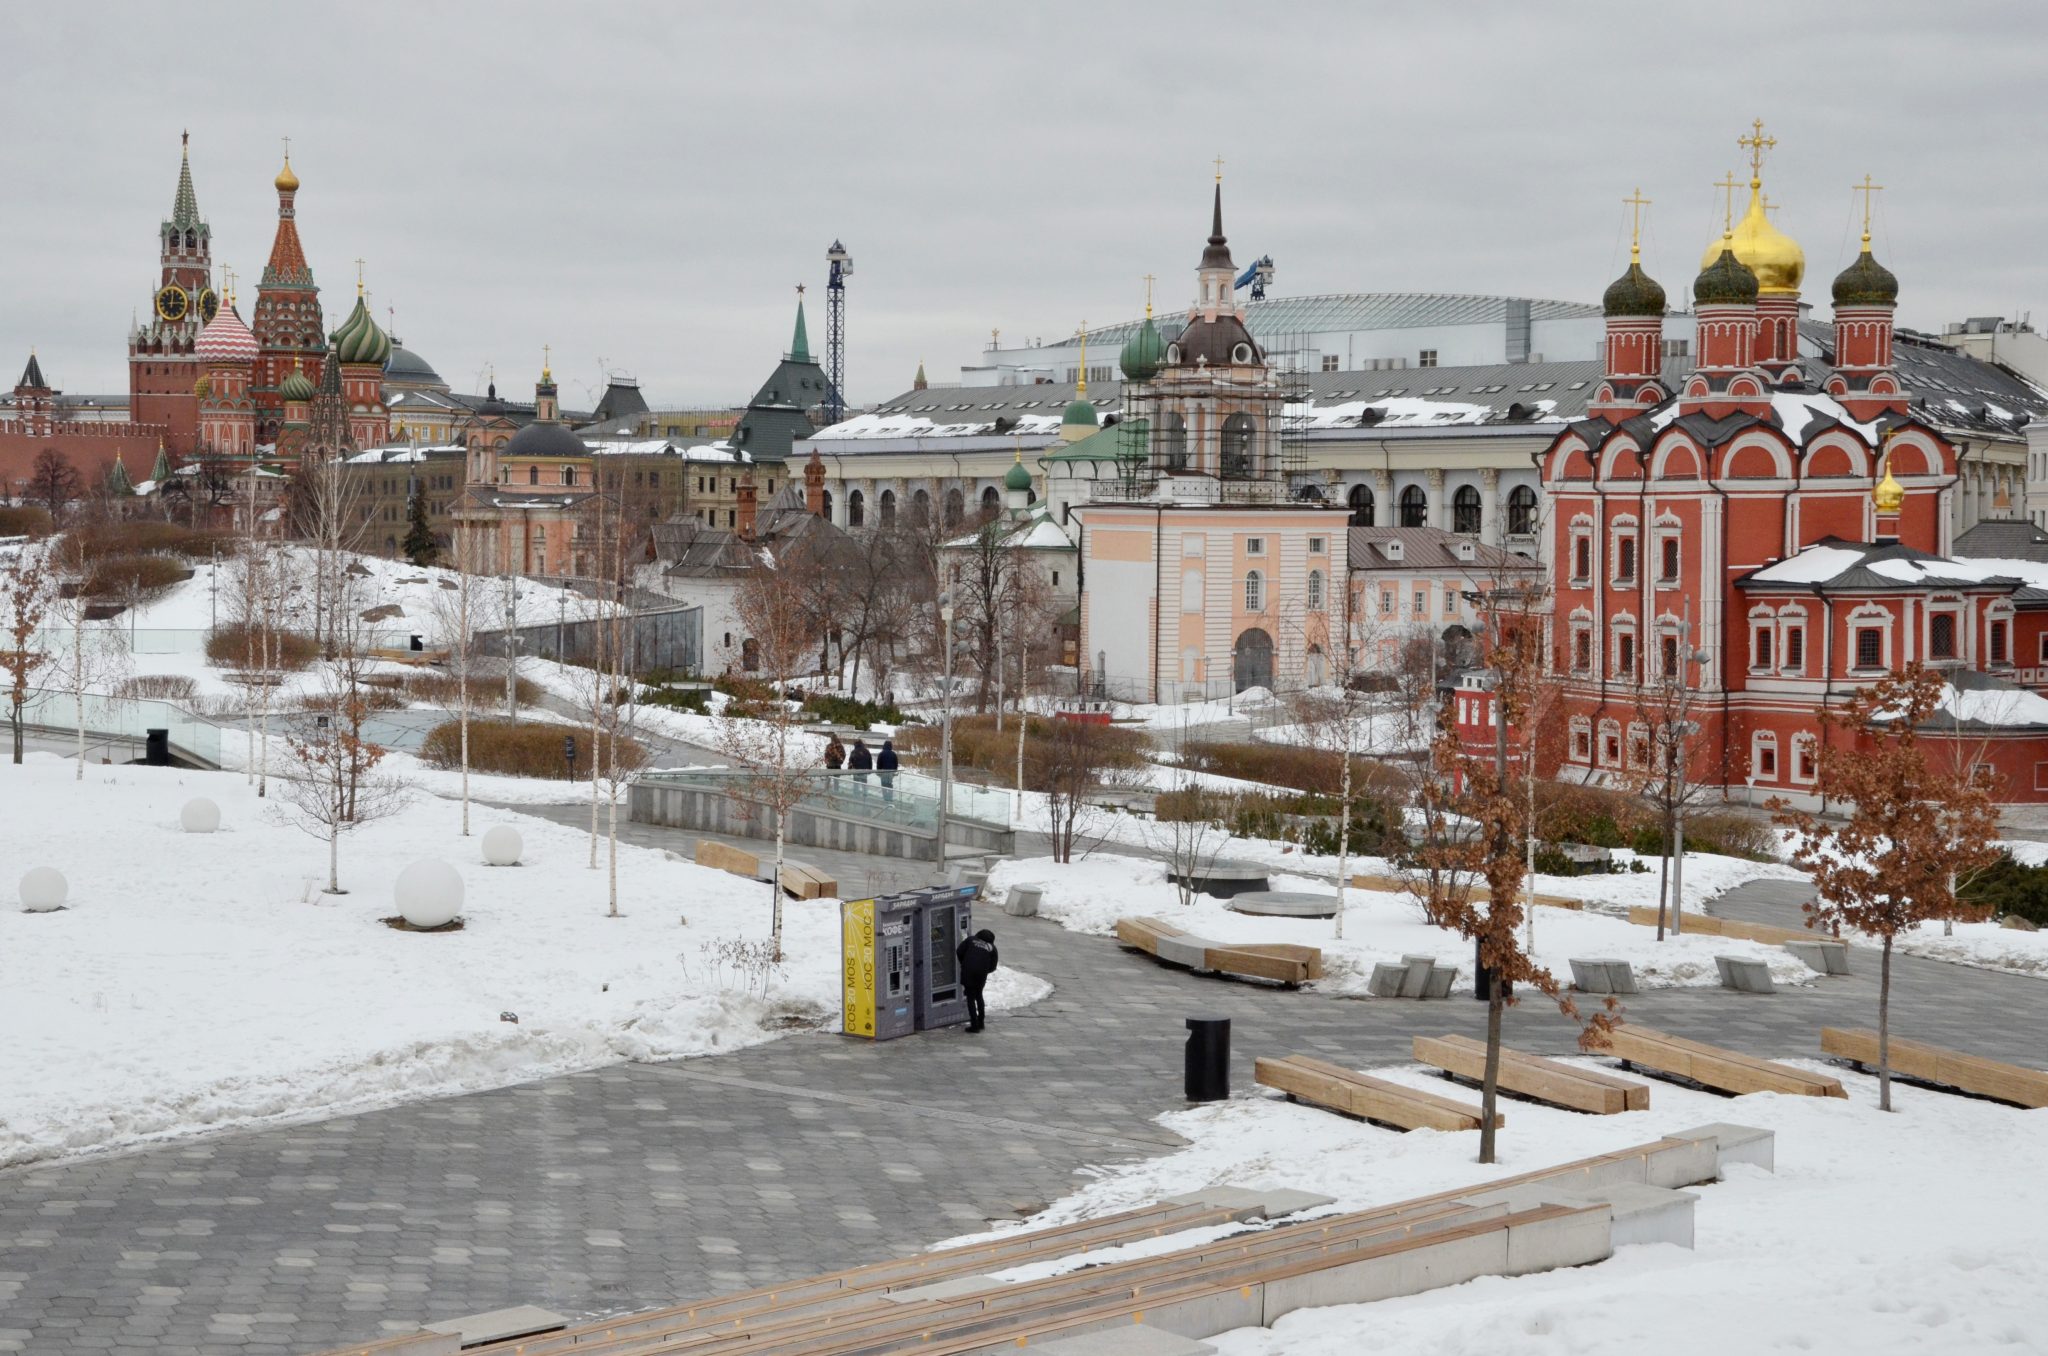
[1889, 495]
[1773, 256]
[287, 182]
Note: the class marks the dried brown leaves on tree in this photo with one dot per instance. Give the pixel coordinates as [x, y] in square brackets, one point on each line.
[27, 586]
[1918, 817]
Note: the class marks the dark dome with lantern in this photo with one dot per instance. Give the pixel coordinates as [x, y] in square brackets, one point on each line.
[542, 439]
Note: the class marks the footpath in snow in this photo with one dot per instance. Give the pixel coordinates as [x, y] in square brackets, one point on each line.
[197, 981]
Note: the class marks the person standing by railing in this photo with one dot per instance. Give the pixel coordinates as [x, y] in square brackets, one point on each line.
[860, 761]
[835, 754]
[885, 763]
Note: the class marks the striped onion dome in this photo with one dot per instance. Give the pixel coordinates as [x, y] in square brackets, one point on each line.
[226, 339]
[359, 340]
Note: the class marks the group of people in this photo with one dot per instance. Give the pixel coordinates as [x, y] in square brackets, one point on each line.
[862, 759]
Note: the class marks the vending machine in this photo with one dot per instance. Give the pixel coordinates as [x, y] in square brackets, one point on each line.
[877, 952]
[945, 919]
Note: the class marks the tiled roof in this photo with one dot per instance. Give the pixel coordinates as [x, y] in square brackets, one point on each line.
[1428, 548]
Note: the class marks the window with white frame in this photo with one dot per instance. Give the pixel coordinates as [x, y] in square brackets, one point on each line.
[1582, 740]
[1998, 651]
[1941, 635]
[1624, 553]
[1638, 746]
[1610, 743]
[1254, 591]
[1622, 658]
[1792, 641]
[1255, 546]
[1582, 640]
[1315, 591]
[1763, 755]
[1421, 604]
[1668, 555]
[1386, 602]
[1763, 635]
[1318, 545]
[1582, 550]
[1805, 757]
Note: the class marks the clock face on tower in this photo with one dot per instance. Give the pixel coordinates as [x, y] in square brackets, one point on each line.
[172, 303]
[209, 305]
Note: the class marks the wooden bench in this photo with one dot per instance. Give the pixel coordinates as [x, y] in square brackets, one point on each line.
[1531, 1076]
[1712, 1067]
[1362, 1095]
[800, 880]
[1276, 962]
[1932, 1064]
[1706, 925]
[1398, 886]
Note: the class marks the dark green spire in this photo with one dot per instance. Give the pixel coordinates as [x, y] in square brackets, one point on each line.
[800, 346]
[161, 472]
[185, 209]
[118, 482]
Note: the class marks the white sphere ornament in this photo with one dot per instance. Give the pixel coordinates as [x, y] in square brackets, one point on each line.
[502, 846]
[43, 888]
[429, 893]
[200, 815]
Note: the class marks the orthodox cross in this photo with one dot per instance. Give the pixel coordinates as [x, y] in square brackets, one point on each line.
[1757, 143]
[359, 277]
[1148, 295]
[1219, 169]
[1635, 202]
[1727, 186]
[1866, 188]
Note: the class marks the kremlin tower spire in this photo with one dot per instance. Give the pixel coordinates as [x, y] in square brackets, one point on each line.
[162, 366]
[287, 324]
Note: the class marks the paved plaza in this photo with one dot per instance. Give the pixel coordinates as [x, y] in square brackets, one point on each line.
[642, 1184]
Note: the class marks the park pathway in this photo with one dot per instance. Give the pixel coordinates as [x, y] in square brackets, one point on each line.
[641, 1184]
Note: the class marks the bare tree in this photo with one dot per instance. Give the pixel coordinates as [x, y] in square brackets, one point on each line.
[1659, 763]
[1189, 832]
[1916, 821]
[1074, 768]
[266, 600]
[460, 614]
[330, 513]
[96, 657]
[27, 588]
[774, 757]
[330, 782]
[52, 482]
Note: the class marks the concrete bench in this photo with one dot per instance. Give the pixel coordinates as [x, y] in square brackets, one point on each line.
[1713, 1067]
[1603, 976]
[1640, 1213]
[1283, 904]
[1530, 1076]
[1022, 901]
[1358, 1094]
[1221, 880]
[2001, 1082]
[1823, 955]
[1744, 975]
[1276, 962]
[1414, 977]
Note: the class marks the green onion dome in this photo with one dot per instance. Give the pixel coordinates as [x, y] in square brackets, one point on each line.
[1725, 282]
[1634, 293]
[296, 386]
[359, 340]
[1144, 353]
[1017, 478]
[1866, 282]
[1081, 413]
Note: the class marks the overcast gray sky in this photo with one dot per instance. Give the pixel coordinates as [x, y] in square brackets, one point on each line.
[646, 183]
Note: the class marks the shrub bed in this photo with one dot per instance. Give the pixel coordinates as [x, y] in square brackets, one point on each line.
[92, 542]
[163, 687]
[1304, 769]
[24, 521]
[528, 749]
[2008, 887]
[228, 647]
[1308, 820]
[485, 690]
[853, 711]
[978, 744]
[133, 579]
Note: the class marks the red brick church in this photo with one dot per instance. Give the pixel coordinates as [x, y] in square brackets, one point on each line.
[1784, 514]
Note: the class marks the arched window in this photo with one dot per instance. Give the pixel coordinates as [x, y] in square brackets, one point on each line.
[956, 507]
[1414, 507]
[1360, 499]
[1315, 670]
[991, 503]
[568, 475]
[1315, 590]
[826, 508]
[533, 475]
[920, 508]
[888, 507]
[1237, 445]
[1254, 591]
[1465, 511]
[1173, 442]
[1521, 511]
[856, 508]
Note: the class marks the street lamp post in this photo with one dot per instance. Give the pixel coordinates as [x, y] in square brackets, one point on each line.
[945, 723]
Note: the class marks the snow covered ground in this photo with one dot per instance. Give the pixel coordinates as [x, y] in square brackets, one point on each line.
[1912, 1232]
[201, 981]
[1985, 945]
[1089, 896]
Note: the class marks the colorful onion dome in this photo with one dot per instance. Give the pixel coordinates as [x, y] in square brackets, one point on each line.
[226, 339]
[297, 386]
[359, 340]
[287, 182]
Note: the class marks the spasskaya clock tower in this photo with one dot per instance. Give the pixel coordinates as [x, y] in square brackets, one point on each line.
[163, 367]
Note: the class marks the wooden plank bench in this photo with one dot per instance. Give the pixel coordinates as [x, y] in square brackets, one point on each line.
[1713, 1067]
[801, 880]
[1360, 1094]
[1277, 962]
[1531, 1076]
[1706, 925]
[1933, 1064]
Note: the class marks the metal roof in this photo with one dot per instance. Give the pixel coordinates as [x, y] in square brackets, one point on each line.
[1279, 316]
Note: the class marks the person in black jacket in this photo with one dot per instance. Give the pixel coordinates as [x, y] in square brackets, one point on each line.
[860, 762]
[977, 962]
[885, 764]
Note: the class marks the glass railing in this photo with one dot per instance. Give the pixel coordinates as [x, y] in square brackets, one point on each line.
[147, 640]
[125, 718]
[908, 799]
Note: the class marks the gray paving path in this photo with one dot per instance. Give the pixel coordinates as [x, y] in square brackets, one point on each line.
[643, 1184]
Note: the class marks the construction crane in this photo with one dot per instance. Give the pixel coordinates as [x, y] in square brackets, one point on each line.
[1259, 275]
[835, 332]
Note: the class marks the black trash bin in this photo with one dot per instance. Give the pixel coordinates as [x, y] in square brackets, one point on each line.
[158, 751]
[1208, 1059]
[1482, 979]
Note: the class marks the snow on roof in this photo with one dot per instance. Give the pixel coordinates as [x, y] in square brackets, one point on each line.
[1797, 409]
[1402, 412]
[2031, 572]
[1814, 565]
[1995, 706]
[917, 426]
[402, 452]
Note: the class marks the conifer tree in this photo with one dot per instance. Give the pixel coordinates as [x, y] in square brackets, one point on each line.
[419, 544]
